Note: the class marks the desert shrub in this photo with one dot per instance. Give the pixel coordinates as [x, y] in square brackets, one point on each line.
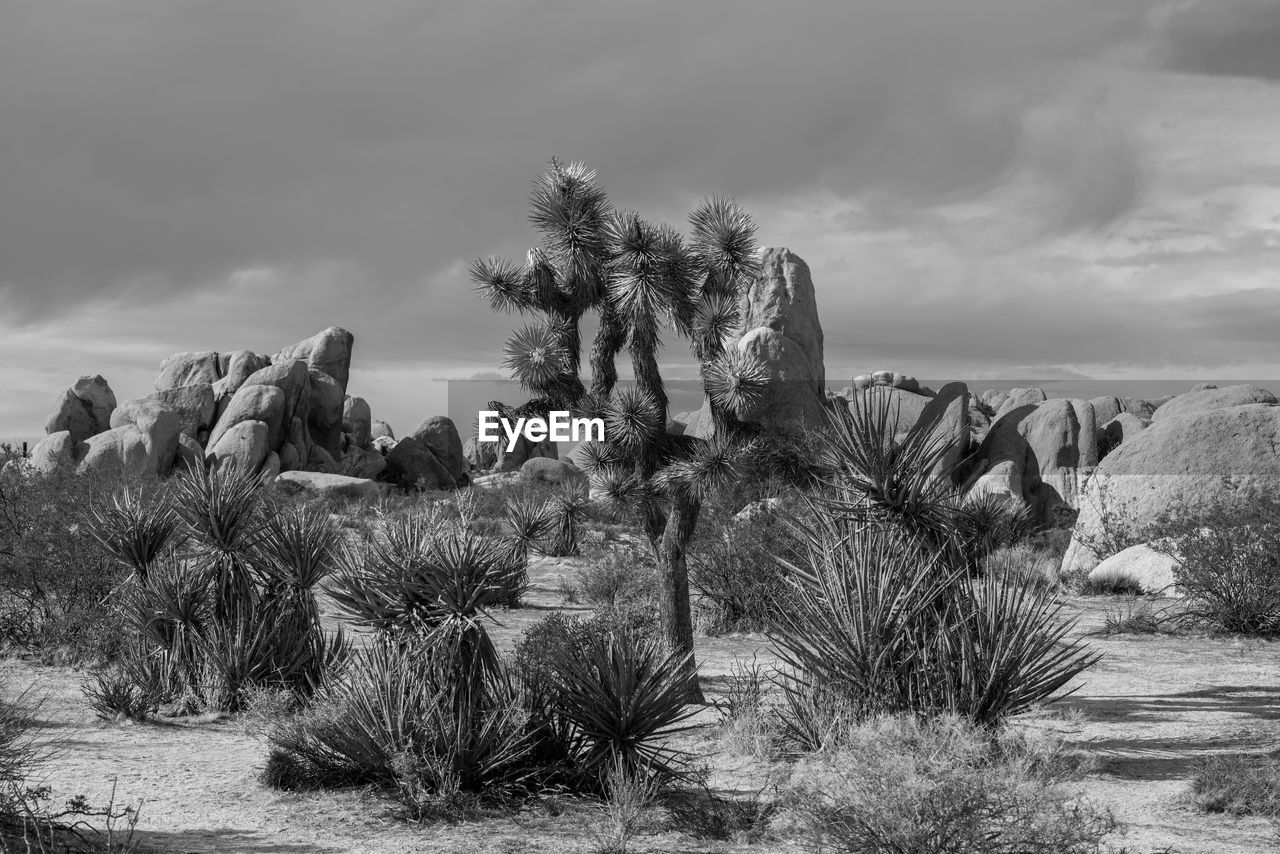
[939, 785]
[1238, 785]
[1230, 574]
[620, 575]
[740, 585]
[55, 582]
[220, 597]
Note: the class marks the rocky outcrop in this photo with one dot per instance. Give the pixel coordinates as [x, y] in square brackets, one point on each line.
[84, 410]
[381, 430]
[1200, 463]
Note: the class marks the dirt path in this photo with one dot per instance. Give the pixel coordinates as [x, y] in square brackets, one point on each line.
[1147, 711]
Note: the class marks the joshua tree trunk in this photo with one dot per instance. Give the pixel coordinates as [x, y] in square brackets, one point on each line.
[671, 550]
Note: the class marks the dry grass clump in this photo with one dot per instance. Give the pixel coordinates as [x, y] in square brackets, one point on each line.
[1237, 785]
[940, 785]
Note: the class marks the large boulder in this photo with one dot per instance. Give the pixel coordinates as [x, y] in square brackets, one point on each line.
[1213, 397]
[254, 402]
[440, 435]
[118, 452]
[195, 406]
[541, 470]
[357, 419]
[294, 379]
[1151, 569]
[1201, 463]
[188, 369]
[244, 446]
[779, 319]
[381, 430]
[1051, 447]
[54, 453]
[948, 411]
[159, 425]
[412, 465]
[327, 485]
[84, 410]
[328, 351]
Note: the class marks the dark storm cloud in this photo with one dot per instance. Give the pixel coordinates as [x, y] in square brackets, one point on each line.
[177, 142]
[1225, 37]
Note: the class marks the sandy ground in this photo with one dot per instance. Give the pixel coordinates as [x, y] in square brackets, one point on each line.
[1151, 707]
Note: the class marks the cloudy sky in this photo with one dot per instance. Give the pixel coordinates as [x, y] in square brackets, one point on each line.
[990, 188]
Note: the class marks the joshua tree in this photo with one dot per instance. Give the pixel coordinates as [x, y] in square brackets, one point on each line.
[639, 277]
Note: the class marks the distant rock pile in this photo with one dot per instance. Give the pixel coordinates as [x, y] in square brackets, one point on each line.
[266, 415]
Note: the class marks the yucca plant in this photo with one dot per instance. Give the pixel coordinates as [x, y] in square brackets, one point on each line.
[883, 624]
[222, 506]
[234, 607]
[134, 530]
[624, 696]
[639, 278]
[904, 480]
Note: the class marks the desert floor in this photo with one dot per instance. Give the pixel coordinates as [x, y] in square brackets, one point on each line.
[1150, 708]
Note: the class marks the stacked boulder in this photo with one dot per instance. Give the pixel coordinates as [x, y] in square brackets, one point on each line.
[266, 415]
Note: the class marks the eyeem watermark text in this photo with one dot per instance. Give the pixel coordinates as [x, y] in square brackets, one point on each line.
[559, 426]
